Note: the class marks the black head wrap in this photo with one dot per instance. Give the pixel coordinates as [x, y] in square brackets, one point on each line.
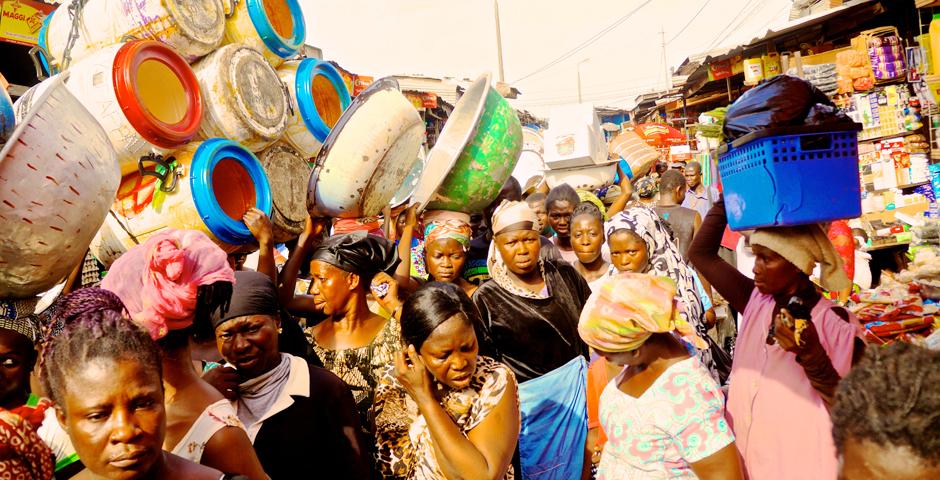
[254, 294]
[359, 253]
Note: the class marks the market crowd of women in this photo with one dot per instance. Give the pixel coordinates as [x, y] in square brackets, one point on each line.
[562, 337]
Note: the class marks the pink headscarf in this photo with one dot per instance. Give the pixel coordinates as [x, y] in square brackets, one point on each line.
[157, 280]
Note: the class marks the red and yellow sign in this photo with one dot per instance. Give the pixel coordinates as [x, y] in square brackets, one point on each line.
[20, 20]
[422, 100]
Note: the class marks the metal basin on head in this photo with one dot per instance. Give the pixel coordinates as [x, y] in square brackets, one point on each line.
[475, 153]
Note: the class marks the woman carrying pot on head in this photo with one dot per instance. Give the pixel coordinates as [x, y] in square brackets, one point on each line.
[170, 285]
[441, 410]
[443, 254]
[792, 349]
[664, 413]
[529, 315]
[296, 413]
[352, 341]
[104, 374]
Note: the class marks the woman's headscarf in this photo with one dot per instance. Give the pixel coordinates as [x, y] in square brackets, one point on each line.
[510, 216]
[587, 196]
[22, 453]
[804, 246]
[443, 224]
[158, 280]
[627, 309]
[664, 257]
[359, 253]
[646, 187]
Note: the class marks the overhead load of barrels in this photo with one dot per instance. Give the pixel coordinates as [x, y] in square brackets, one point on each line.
[185, 114]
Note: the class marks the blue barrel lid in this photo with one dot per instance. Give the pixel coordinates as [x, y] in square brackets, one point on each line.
[283, 47]
[303, 88]
[207, 156]
[7, 117]
[43, 43]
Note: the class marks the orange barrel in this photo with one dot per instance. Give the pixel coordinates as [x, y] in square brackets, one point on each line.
[320, 95]
[191, 27]
[288, 172]
[275, 28]
[58, 175]
[245, 99]
[209, 187]
[143, 93]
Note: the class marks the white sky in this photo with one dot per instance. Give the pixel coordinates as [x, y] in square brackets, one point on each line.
[457, 39]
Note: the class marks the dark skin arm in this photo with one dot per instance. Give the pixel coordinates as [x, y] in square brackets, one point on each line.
[308, 240]
[810, 354]
[486, 452]
[219, 449]
[626, 192]
[260, 226]
[403, 272]
[703, 253]
[725, 464]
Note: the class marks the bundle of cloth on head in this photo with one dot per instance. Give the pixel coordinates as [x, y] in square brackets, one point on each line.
[158, 280]
[18, 316]
[444, 224]
[646, 187]
[359, 253]
[587, 196]
[804, 246]
[628, 308]
[371, 225]
[254, 294]
[510, 216]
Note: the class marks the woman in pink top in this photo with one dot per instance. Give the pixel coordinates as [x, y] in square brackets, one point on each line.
[781, 383]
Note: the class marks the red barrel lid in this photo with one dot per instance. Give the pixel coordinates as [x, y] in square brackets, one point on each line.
[126, 71]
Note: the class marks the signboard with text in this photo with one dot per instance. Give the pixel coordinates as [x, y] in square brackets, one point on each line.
[20, 20]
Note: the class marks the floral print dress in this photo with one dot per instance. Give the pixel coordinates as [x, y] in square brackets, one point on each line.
[679, 420]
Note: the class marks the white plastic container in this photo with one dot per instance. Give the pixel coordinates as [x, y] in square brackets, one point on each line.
[58, 175]
[217, 181]
[244, 98]
[583, 178]
[367, 155]
[144, 95]
[574, 138]
[288, 173]
[320, 95]
[192, 27]
[274, 28]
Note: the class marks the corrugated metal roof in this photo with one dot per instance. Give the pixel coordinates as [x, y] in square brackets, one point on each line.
[444, 88]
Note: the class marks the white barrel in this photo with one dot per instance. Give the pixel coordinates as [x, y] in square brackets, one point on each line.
[216, 182]
[274, 28]
[244, 98]
[58, 175]
[287, 173]
[191, 27]
[144, 95]
[320, 95]
[367, 155]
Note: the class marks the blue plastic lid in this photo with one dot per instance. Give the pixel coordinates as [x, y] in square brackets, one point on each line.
[303, 87]
[207, 156]
[283, 47]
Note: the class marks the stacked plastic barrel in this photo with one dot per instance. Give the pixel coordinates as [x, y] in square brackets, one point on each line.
[160, 114]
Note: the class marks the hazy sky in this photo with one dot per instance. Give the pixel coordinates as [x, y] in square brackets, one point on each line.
[457, 39]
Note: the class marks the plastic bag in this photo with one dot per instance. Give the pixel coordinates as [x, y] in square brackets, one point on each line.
[782, 101]
[825, 115]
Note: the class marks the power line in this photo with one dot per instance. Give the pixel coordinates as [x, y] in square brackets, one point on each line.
[699, 12]
[606, 91]
[723, 30]
[584, 44]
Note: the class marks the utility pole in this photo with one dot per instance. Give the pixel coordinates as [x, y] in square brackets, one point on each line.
[499, 42]
[662, 33]
[579, 78]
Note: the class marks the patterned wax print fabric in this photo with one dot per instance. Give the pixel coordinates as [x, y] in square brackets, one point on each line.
[362, 367]
[405, 445]
[679, 420]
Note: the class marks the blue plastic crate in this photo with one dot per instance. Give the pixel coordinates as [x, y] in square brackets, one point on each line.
[791, 176]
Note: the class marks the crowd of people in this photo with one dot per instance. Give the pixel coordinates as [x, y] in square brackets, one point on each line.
[560, 337]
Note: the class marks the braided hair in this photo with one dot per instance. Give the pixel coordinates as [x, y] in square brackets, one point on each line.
[95, 325]
[892, 398]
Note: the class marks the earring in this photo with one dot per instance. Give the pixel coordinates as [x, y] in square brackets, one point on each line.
[280, 330]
